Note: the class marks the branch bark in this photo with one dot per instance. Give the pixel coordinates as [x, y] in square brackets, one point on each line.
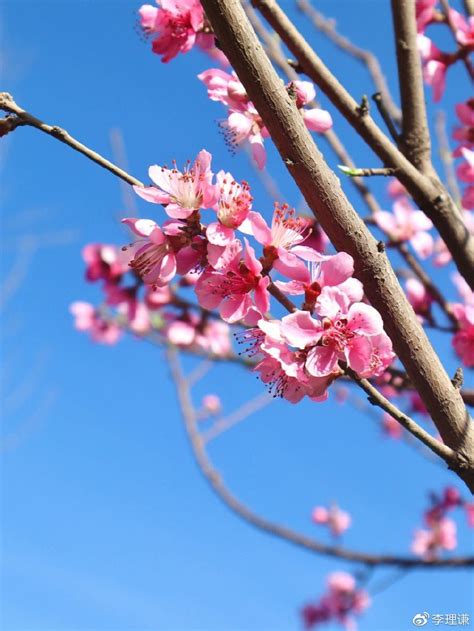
[429, 195]
[328, 27]
[344, 227]
[415, 136]
[7, 104]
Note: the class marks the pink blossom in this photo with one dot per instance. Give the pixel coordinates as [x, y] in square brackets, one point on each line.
[315, 118]
[418, 297]
[87, 318]
[182, 192]
[156, 297]
[442, 536]
[407, 224]
[244, 122]
[279, 240]
[152, 256]
[391, 427]
[103, 262]
[336, 519]
[322, 271]
[232, 208]
[342, 335]
[465, 171]
[442, 256]
[464, 28]
[469, 508]
[425, 13]
[463, 340]
[175, 23]
[395, 188]
[232, 288]
[225, 88]
[342, 600]
[435, 65]
[465, 132]
[211, 404]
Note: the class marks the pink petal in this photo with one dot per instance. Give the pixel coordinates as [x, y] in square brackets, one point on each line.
[364, 319]
[321, 361]
[300, 329]
[317, 120]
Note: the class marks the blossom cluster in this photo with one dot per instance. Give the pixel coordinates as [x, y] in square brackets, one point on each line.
[435, 61]
[342, 601]
[142, 309]
[336, 520]
[440, 532]
[176, 26]
[301, 353]
[243, 122]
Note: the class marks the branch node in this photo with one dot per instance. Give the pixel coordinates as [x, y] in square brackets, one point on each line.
[381, 246]
[458, 378]
[363, 108]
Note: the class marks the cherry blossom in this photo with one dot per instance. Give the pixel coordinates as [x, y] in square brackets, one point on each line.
[442, 536]
[88, 318]
[463, 340]
[342, 601]
[181, 192]
[176, 26]
[152, 256]
[104, 262]
[407, 224]
[336, 519]
[231, 289]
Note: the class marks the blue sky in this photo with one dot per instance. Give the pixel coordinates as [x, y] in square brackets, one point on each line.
[106, 523]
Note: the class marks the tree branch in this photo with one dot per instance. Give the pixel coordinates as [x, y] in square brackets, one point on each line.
[7, 104]
[429, 195]
[415, 137]
[377, 398]
[344, 227]
[216, 482]
[328, 27]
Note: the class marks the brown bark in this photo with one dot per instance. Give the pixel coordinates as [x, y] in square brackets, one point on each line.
[324, 196]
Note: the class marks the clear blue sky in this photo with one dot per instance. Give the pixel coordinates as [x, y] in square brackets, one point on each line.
[106, 523]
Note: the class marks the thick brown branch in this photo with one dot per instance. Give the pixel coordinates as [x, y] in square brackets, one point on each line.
[273, 49]
[216, 482]
[328, 27]
[7, 104]
[344, 227]
[415, 137]
[430, 195]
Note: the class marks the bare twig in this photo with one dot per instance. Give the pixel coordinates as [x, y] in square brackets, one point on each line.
[377, 398]
[7, 104]
[415, 138]
[216, 482]
[328, 27]
[446, 156]
[243, 412]
[366, 172]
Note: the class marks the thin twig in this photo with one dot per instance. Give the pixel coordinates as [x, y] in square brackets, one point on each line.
[415, 138]
[244, 411]
[377, 398]
[446, 156]
[216, 482]
[366, 172]
[328, 27]
[7, 104]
